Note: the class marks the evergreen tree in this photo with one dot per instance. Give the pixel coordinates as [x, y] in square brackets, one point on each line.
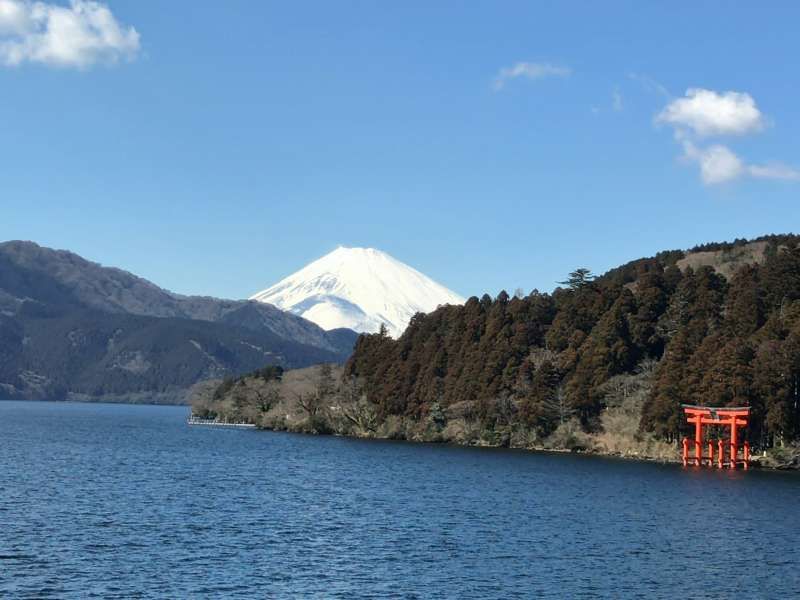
[579, 278]
[716, 341]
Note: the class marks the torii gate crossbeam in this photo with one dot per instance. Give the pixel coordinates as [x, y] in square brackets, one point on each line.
[724, 417]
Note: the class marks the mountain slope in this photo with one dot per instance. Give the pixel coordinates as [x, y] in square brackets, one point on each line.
[70, 328]
[60, 277]
[359, 289]
[88, 354]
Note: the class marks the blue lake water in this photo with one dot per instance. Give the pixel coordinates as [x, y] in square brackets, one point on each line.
[128, 501]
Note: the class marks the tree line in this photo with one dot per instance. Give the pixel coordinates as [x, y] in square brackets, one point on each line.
[539, 360]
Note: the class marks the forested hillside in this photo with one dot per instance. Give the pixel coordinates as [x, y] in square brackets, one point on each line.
[717, 325]
[73, 329]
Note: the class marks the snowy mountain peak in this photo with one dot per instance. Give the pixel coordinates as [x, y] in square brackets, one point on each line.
[360, 289]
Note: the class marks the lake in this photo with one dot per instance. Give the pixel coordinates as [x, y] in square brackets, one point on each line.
[100, 500]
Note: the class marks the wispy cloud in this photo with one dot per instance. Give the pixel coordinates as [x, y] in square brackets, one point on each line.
[774, 171]
[616, 100]
[704, 114]
[79, 35]
[650, 84]
[529, 70]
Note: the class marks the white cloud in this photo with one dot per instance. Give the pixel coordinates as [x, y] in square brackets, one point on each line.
[705, 113]
[616, 100]
[531, 71]
[709, 113]
[79, 35]
[719, 164]
[13, 16]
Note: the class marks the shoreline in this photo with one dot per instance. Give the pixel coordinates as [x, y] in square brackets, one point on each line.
[756, 462]
[91, 400]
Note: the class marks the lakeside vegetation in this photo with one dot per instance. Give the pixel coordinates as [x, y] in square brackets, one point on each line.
[601, 364]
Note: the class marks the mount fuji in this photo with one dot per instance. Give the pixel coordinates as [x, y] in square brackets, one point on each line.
[359, 289]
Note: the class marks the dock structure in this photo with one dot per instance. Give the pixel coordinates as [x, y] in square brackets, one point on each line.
[721, 418]
[192, 420]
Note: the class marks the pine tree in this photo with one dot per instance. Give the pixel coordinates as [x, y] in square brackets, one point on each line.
[579, 278]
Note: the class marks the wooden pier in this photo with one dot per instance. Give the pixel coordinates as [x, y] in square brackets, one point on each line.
[216, 423]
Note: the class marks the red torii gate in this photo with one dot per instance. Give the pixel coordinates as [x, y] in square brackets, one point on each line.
[726, 417]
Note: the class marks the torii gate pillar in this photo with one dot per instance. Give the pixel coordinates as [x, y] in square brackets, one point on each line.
[724, 417]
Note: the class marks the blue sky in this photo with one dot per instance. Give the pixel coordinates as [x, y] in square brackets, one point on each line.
[215, 147]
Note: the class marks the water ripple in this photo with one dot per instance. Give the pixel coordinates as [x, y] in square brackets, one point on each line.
[104, 501]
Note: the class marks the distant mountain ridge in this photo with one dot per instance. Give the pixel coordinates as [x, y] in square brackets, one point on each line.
[70, 327]
[116, 291]
[360, 289]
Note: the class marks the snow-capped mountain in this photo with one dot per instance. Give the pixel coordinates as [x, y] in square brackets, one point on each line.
[360, 289]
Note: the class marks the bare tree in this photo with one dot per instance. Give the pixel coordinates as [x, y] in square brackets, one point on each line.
[353, 405]
[505, 408]
[266, 396]
[325, 382]
[558, 406]
[538, 356]
[310, 403]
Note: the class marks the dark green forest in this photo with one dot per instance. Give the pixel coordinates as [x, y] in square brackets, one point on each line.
[725, 333]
